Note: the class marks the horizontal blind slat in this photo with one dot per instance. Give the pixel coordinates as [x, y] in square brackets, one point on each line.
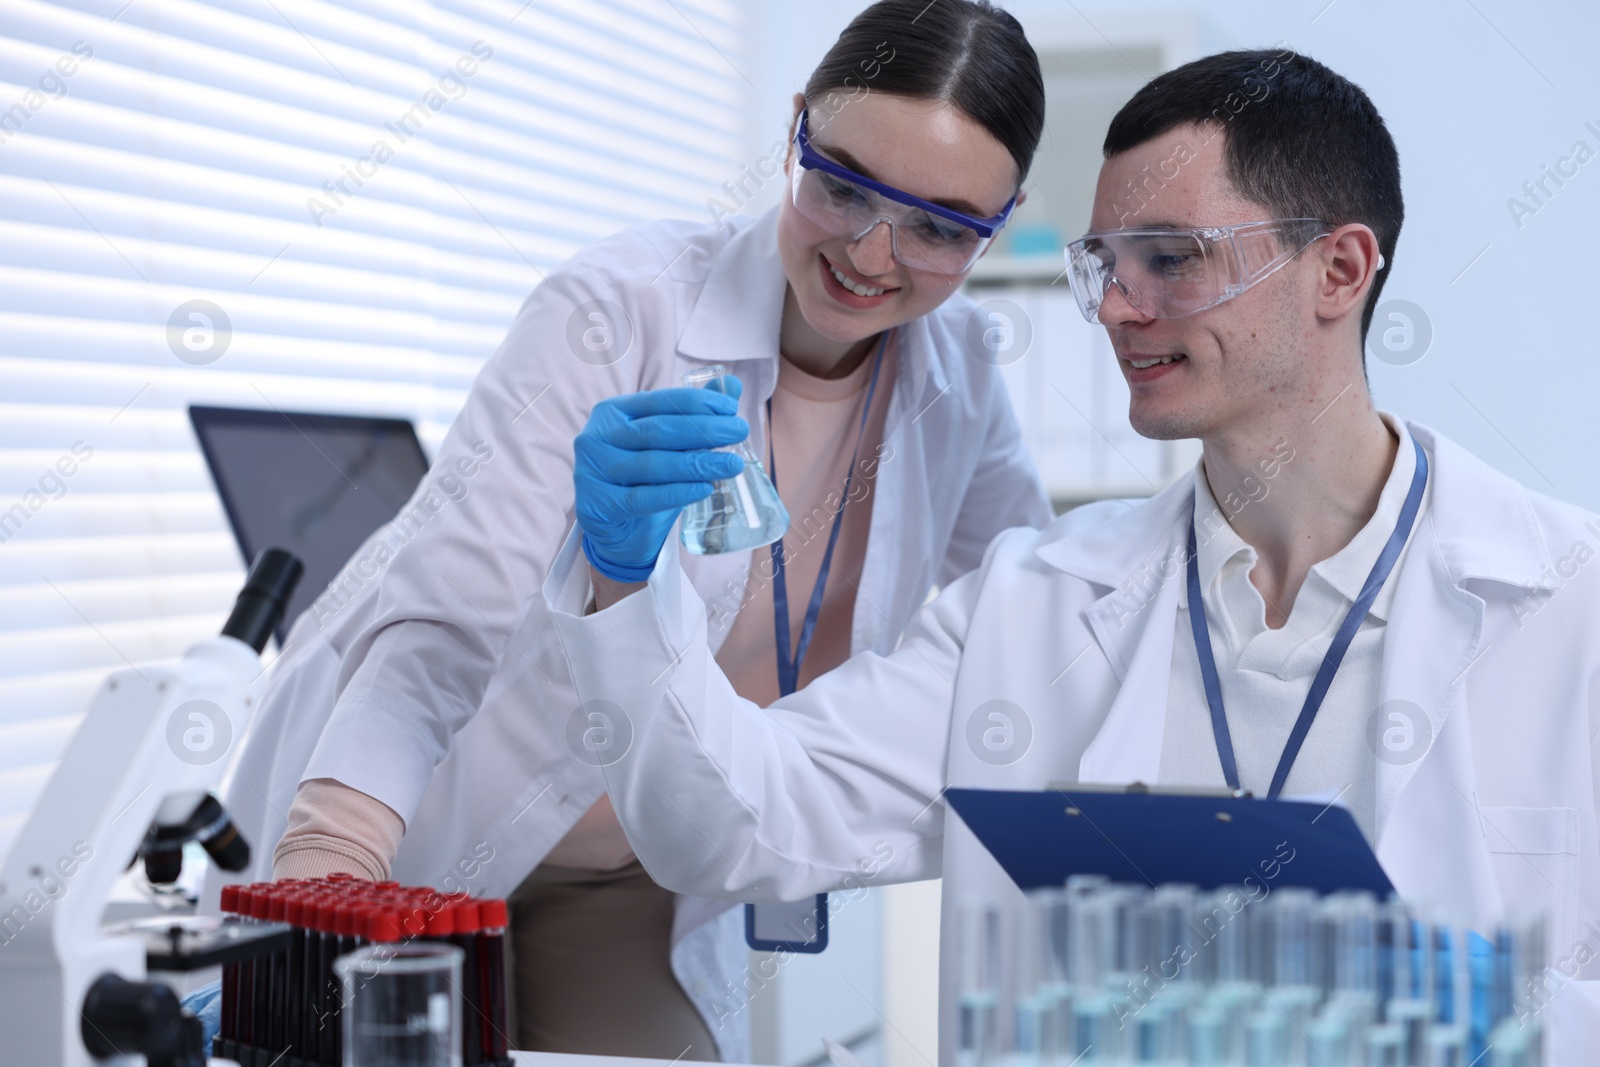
[192, 151]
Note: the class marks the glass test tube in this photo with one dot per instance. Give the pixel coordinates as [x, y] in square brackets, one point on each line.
[1409, 979]
[1058, 980]
[1266, 1039]
[1092, 908]
[1353, 927]
[1036, 1030]
[979, 947]
[228, 1028]
[1531, 982]
[492, 977]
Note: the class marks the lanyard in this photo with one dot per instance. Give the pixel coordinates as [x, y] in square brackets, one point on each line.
[789, 667]
[1330, 662]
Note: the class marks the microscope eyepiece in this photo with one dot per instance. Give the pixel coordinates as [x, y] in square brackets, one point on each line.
[271, 581]
[208, 824]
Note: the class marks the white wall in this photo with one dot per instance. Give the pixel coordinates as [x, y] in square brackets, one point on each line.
[1479, 96]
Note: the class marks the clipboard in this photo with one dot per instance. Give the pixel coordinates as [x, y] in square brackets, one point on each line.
[1154, 837]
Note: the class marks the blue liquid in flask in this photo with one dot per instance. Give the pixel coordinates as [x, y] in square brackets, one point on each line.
[741, 513]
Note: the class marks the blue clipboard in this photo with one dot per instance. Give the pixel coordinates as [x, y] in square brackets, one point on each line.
[1151, 837]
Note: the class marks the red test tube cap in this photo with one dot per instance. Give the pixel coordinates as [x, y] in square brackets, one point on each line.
[438, 922]
[465, 913]
[492, 914]
[383, 926]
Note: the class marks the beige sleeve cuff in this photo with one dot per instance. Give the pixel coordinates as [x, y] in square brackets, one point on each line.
[334, 829]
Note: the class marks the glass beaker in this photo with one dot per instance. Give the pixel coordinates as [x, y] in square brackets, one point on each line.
[402, 1005]
[742, 512]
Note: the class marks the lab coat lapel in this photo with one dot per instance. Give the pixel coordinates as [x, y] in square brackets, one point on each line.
[1128, 746]
[1139, 554]
[739, 310]
[737, 318]
[1426, 785]
[1477, 528]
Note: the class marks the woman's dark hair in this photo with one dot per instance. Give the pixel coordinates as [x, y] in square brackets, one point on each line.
[967, 53]
[1301, 141]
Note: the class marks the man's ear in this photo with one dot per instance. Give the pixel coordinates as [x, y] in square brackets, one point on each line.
[1350, 264]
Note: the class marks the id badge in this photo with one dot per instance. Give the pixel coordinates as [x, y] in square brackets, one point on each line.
[798, 927]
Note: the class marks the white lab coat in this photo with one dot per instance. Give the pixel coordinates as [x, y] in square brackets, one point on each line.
[428, 674]
[1494, 633]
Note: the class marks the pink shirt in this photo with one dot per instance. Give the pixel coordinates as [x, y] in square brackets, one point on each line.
[815, 426]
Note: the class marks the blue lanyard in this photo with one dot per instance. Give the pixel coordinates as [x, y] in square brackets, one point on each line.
[789, 666]
[1330, 662]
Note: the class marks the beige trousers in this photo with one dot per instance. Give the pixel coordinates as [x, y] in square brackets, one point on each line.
[590, 954]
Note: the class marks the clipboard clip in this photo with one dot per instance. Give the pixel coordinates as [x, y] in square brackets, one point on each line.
[1151, 790]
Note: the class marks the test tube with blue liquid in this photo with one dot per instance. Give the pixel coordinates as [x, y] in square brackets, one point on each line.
[1406, 977]
[1296, 988]
[980, 952]
[1039, 1025]
[742, 512]
[1353, 927]
[1171, 945]
[1093, 911]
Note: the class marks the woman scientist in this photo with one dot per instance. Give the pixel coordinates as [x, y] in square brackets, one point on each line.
[421, 724]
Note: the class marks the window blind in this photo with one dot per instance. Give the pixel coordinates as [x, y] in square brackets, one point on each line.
[293, 204]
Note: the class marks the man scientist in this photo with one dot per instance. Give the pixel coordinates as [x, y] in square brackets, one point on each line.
[1335, 602]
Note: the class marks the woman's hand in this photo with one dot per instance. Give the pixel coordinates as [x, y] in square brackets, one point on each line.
[639, 461]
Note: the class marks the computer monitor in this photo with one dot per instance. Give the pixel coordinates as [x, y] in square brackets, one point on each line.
[317, 485]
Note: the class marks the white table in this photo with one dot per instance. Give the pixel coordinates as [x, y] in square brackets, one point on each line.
[567, 1059]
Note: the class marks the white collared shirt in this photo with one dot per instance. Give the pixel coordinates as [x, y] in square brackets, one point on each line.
[1266, 673]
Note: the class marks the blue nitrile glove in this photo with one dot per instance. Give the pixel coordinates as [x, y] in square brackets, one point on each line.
[642, 459]
[206, 1003]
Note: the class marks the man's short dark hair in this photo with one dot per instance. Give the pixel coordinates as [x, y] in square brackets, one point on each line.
[1302, 141]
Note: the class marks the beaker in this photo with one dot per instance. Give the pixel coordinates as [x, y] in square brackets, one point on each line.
[742, 512]
[402, 1005]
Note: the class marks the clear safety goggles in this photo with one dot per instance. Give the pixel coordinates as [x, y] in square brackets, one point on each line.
[1167, 274]
[924, 235]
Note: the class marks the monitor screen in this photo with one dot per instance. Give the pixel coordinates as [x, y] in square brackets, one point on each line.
[316, 485]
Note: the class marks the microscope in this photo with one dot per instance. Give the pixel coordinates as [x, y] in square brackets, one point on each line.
[134, 782]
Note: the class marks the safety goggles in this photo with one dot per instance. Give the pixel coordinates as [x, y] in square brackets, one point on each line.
[1167, 273]
[924, 235]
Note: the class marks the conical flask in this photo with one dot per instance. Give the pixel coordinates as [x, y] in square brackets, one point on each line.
[741, 513]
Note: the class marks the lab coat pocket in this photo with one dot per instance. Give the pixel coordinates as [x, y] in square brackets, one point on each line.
[1535, 856]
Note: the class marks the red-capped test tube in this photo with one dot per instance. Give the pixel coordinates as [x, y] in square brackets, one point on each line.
[492, 976]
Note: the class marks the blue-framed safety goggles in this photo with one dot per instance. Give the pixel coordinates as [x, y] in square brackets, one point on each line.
[924, 235]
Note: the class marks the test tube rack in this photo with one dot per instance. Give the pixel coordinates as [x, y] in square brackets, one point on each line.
[283, 1008]
[1103, 973]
